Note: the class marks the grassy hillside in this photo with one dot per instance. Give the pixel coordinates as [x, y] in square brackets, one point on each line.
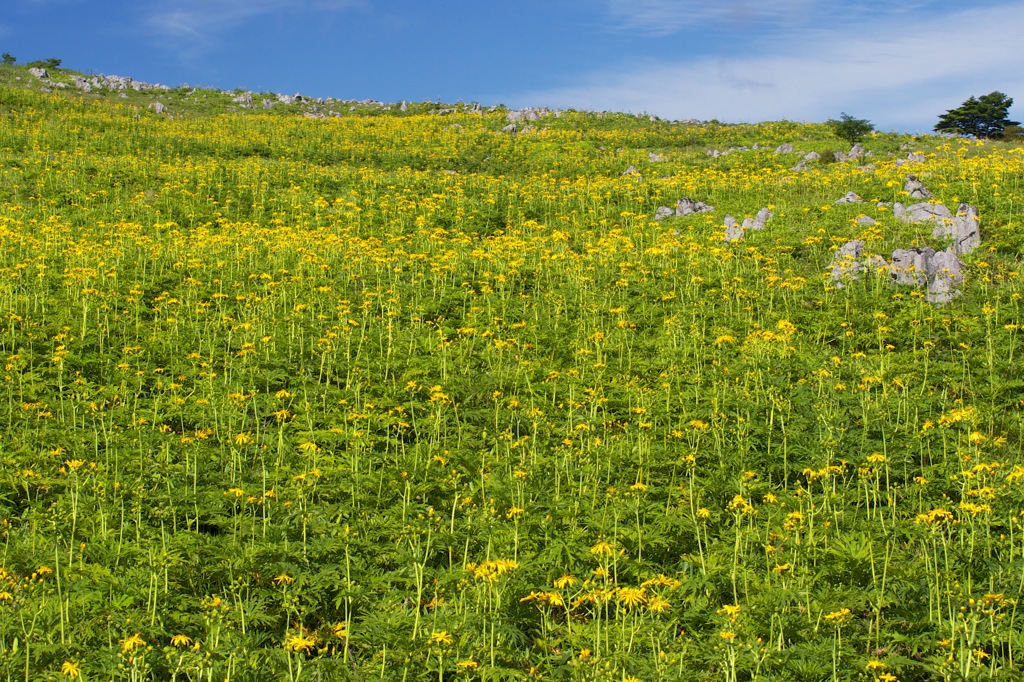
[397, 395]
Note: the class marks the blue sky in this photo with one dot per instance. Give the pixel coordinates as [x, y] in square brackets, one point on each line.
[898, 63]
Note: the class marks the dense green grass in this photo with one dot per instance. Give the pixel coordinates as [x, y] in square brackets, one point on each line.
[396, 395]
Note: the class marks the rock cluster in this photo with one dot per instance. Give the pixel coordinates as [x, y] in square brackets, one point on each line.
[940, 271]
[808, 157]
[527, 114]
[735, 231]
[715, 153]
[912, 157]
[684, 207]
[856, 152]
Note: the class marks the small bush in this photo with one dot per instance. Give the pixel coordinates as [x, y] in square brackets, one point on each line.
[851, 129]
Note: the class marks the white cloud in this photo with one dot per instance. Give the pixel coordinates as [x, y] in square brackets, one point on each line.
[196, 21]
[664, 17]
[899, 75]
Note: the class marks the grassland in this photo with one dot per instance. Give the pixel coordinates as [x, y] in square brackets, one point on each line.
[400, 396]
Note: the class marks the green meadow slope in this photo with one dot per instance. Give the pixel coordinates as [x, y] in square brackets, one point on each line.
[344, 391]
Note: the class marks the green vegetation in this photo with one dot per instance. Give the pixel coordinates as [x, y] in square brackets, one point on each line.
[395, 395]
[851, 129]
[983, 117]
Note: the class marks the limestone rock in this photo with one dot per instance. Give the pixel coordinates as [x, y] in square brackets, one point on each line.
[268, 104]
[655, 158]
[527, 114]
[919, 213]
[910, 266]
[867, 221]
[964, 229]
[850, 198]
[786, 148]
[159, 108]
[39, 72]
[663, 212]
[758, 222]
[631, 171]
[733, 233]
[915, 158]
[733, 230]
[808, 157]
[686, 206]
[916, 189]
[510, 128]
[846, 263]
[944, 274]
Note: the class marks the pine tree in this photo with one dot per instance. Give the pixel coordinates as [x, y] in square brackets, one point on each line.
[984, 116]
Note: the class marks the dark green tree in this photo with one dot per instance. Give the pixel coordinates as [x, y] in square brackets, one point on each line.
[50, 63]
[985, 116]
[8, 58]
[849, 128]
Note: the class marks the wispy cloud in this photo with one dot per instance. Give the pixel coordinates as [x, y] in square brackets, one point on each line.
[665, 17]
[899, 75]
[198, 21]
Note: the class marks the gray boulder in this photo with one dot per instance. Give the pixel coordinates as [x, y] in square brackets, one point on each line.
[867, 221]
[268, 104]
[686, 206]
[910, 266]
[757, 222]
[944, 274]
[39, 73]
[655, 158]
[786, 148]
[631, 171]
[964, 229]
[846, 263]
[663, 212]
[527, 114]
[850, 198]
[915, 158]
[919, 213]
[510, 128]
[159, 108]
[856, 151]
[915, 189]
[733, 233]
[809, 157]
[245, 99]
[729, 221]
